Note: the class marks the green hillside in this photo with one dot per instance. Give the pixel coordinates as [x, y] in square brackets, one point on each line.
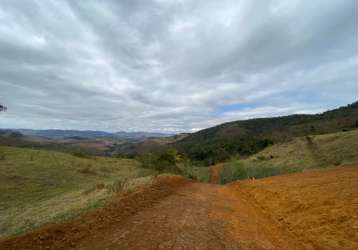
[39, 186]
[250, 136]
[299, 154]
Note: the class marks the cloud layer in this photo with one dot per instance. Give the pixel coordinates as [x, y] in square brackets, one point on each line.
[173, 65]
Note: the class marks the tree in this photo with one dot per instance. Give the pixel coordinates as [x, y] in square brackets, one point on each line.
[2, 108]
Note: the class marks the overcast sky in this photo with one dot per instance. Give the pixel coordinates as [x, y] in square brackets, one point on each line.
[173, 66]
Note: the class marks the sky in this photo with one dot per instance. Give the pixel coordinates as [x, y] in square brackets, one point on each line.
[173, 66]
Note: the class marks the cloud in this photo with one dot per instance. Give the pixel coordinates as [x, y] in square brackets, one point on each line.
[173, 65]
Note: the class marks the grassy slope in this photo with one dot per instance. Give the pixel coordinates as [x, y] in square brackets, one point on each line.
[279, 128]
[297, 155]
[43, 186]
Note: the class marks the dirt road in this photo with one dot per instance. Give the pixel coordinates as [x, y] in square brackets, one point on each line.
[178, 214]
[215, 173]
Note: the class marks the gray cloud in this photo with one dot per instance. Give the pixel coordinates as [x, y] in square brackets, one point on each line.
[173, 65]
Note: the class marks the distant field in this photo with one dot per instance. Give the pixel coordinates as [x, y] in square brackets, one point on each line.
[38, 186]
[301, 153]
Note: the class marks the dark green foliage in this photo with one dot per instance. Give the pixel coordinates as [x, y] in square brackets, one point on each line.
[82, 155]
[220, 143]
[232, 172]
[219, 151]
[309, 140]
[313, 129]
[163, 161]
[261, 158]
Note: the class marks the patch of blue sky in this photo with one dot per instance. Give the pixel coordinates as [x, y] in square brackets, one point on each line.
[233, 107]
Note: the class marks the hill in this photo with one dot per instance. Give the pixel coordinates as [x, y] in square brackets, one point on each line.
[39, 186]
[297, 155]
[250, 136]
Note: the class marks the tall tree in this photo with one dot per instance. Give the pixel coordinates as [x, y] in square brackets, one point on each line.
[2, 108]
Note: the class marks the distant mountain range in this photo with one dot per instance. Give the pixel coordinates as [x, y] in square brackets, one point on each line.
[59, 134]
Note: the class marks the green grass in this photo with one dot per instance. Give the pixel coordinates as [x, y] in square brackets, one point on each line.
[38, 187]
[299, 154]
[201, 174]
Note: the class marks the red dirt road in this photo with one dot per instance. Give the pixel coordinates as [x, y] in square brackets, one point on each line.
[175, 213]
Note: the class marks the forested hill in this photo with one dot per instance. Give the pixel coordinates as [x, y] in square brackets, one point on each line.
[249, 136]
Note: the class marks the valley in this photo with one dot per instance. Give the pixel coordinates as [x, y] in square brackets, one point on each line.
[298, 192]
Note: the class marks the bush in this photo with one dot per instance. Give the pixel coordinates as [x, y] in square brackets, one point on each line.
[81, 155]
[262, 172]
[220, 151]
[87, 170]
[163, 161]
[201, 174]
[2, 156]
[237, 171]
[117, 186]
[261, 158]
[232, 172]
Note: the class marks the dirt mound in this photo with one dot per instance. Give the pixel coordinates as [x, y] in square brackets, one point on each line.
[318, 209]
[119, 208]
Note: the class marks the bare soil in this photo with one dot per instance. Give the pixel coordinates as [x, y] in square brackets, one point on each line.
[318, 209]
[313, 210]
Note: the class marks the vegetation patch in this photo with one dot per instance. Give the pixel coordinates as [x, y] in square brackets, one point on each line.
[38, 187]
[299, 154]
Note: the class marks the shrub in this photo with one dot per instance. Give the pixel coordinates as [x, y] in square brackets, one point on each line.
[261, 158]
[223, 150]
[87, 170]
[81, 155]
[309, 140]
[117, 185]
[232, 172]
[2, 156]
[356, 124]
[163, 161]
[262, 172]
[237, 171]
[337, 162]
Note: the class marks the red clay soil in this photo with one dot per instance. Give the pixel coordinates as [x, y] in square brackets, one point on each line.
[313, 210]
[319, 209]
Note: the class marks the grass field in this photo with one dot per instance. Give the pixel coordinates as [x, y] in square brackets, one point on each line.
[38, 187]
[301, 153]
